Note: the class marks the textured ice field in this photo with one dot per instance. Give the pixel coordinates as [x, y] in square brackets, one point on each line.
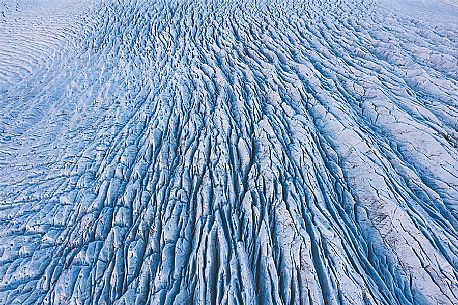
[229, 152]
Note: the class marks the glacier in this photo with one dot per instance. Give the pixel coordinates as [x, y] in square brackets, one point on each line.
[229, 152]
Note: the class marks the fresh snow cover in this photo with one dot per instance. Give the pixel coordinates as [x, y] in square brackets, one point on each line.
[229, 152]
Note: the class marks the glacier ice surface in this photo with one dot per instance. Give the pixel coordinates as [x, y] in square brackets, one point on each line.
[228, 152]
